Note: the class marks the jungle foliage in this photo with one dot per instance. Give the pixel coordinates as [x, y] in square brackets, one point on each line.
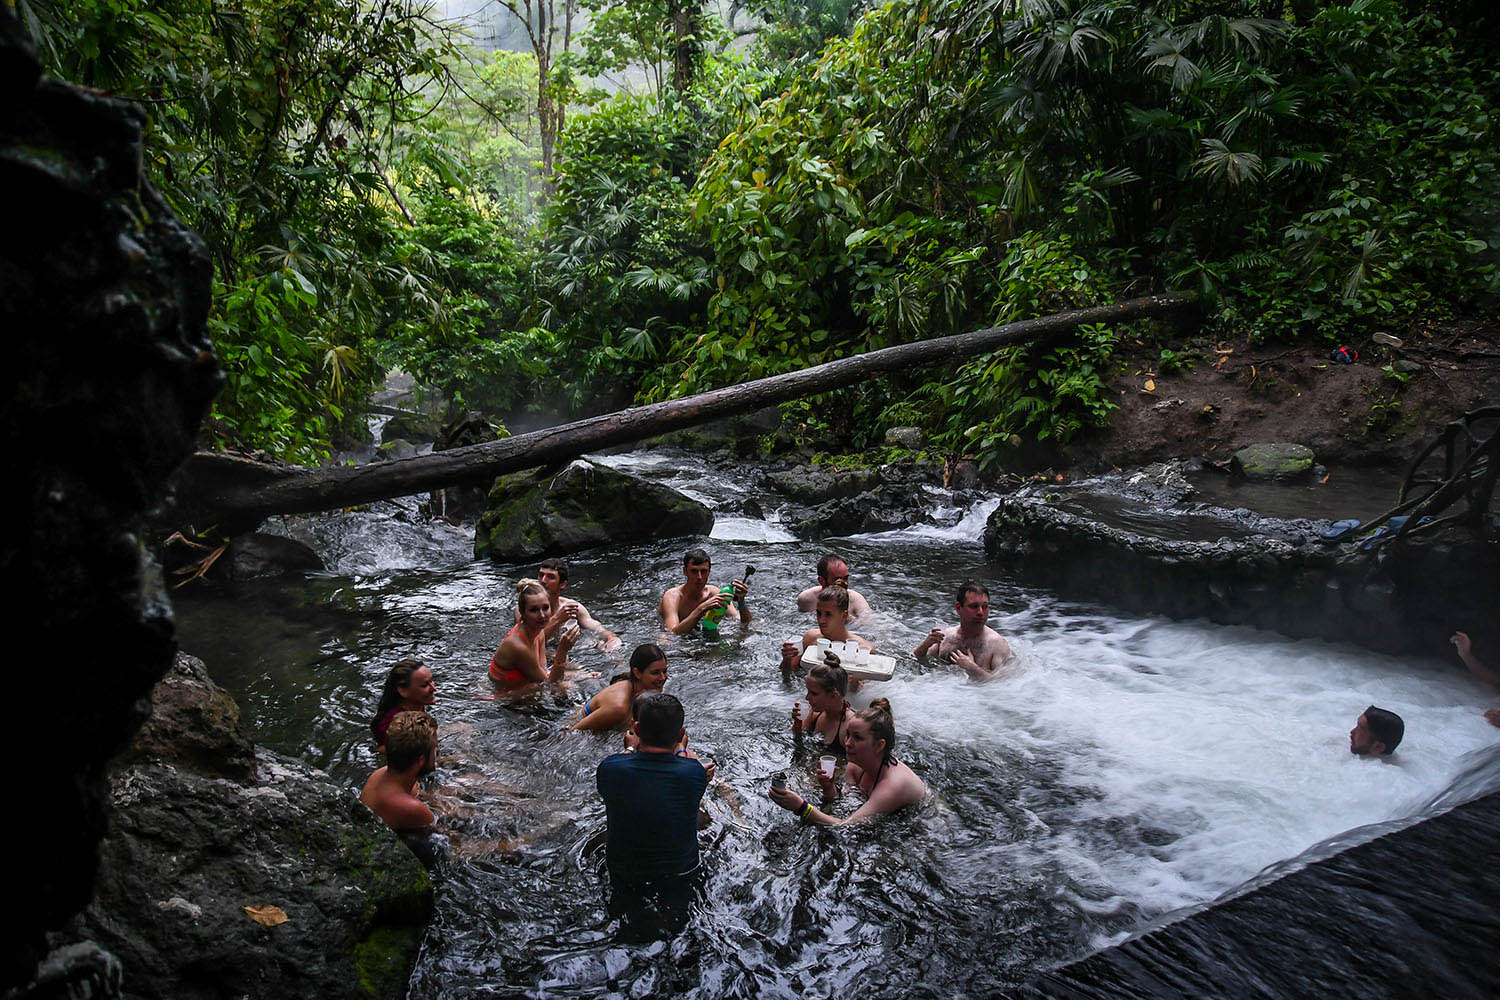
[375, 195]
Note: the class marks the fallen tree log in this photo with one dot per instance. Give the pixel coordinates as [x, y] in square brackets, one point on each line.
[283, 492]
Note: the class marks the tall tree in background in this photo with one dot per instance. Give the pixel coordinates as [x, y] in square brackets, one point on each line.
[650, 34]
[549, 29]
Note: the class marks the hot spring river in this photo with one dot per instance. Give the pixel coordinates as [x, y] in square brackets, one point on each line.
[1128, 767]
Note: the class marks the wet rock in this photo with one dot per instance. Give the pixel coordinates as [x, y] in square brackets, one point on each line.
[463, 503]
[203, 824]
[874, 511]
[395, 448]
[186, 853]
[1280, 460]
[904, 437]
[194, 724]
[78, 971]
[964, 475]
[421, 426]
[104, 296]
[552, 512]
[262, 555]
[1407, 598]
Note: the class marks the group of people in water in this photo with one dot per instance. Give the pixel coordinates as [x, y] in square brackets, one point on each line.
[652, 791]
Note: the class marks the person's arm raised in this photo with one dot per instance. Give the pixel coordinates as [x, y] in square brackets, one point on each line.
[560, 661]
[1465, 649]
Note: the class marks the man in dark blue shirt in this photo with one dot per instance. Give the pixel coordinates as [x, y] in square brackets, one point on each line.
[651, 800]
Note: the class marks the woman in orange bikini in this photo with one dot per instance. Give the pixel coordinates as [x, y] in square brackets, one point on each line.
[522, 653]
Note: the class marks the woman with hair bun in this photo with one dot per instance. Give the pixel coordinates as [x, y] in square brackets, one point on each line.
[611, 707]
[873, 766]
[408, 688]
[522, 653]
[829, 713]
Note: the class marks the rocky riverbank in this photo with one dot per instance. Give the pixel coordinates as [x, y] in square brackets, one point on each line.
[229, 870]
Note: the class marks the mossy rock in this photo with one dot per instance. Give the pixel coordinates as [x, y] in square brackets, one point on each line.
[1279, 460]
[551, 512]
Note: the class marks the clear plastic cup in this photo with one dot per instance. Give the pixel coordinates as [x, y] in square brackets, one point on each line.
[862, 658]
[826, 765]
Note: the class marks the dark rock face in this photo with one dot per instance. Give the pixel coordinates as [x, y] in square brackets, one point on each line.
[203, 825]
[830, 503]
[1246, 570]
[1410, 913]
[261, 555]
[103, 299]
[1276, 461]
[551, 512]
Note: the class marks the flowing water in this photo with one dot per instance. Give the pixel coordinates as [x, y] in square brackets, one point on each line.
[1126, 767]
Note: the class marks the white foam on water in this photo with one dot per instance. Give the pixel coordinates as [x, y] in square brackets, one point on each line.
[749, 529]
[968, 528]
[1229, 745]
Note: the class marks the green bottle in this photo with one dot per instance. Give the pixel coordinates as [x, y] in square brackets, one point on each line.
[713, 616]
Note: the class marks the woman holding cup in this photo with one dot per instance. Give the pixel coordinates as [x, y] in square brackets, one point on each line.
[833, 626]
[829, 713]
[888, 783]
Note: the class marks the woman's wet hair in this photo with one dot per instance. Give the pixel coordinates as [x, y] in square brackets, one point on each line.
[390, 693]
[645, 654]
[836, 594]
[882, 724]
[529, 587]
[830, 677]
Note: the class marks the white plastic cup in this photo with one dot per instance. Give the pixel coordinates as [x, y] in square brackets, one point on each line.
[824, 643]
[826, 765]
[862, 658]
[795, 640]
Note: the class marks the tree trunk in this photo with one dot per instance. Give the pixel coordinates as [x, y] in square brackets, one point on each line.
[687, 44]
[217, 499]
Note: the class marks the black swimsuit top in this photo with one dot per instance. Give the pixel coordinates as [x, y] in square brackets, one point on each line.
[837, 743]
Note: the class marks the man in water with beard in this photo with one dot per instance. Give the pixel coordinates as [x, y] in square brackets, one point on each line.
[1377, 733]
[977, 649]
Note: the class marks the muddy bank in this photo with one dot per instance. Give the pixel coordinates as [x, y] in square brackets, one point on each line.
[1228, 394]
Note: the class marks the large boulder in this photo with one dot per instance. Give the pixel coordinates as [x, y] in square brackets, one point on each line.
[201, 829]
[1276, 461]
[551, 512]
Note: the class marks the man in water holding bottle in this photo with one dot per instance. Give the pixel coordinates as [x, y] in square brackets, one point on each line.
[683, 607]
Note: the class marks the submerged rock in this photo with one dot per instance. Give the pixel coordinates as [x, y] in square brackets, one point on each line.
[1273, 461]
[199, 832]
[551, 512]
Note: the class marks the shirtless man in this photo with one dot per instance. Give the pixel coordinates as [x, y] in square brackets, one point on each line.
[833, 569]
[684, 606]
[391, 792]
[553, 573]
[971, 644]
